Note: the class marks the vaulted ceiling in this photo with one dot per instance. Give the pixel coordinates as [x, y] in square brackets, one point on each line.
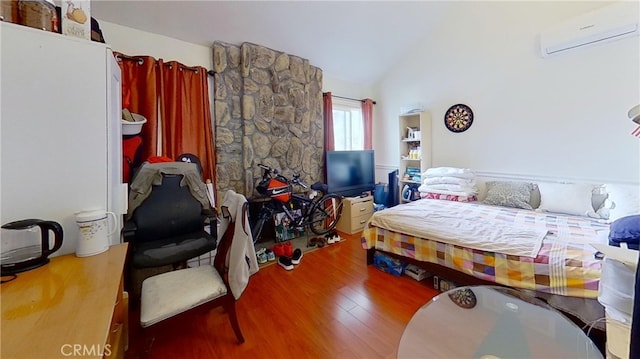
[355, 41]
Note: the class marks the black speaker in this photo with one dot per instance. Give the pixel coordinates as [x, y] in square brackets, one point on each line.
[394, 191]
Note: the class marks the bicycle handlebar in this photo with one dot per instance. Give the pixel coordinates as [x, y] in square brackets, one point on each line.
[296, 180]
[296, 177]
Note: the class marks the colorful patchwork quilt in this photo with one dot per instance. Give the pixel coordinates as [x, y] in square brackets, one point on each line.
[564, 265]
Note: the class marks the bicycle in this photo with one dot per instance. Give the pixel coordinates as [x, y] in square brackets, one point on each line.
[319, 213]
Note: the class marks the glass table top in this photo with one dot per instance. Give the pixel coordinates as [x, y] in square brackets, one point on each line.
[486, 322]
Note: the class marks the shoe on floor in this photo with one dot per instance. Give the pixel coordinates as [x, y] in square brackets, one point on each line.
[330, 238]
[288, 249]
[270, 255]
[317, 242]
[297, 256]
[278, 249]
[261, 255]
[285, 262]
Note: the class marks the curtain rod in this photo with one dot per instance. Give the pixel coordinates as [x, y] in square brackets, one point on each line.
[183, 67]
[348, 98]
[137, 59]
[140, 61]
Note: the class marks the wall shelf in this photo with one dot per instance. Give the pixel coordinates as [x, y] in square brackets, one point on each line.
[419, 121]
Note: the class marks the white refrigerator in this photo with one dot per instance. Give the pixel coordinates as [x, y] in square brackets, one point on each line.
[61, 137]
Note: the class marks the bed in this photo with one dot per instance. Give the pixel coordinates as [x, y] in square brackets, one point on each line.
[560, 267]
[563, 262]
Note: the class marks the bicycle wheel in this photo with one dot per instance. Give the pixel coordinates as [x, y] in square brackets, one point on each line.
[256, 228]
[325, 214]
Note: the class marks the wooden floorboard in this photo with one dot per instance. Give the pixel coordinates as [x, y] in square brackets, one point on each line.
[332, 305]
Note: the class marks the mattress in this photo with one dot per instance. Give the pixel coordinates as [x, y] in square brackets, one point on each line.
[564, 264]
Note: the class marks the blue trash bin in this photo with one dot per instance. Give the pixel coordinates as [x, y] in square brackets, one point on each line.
[381, 193]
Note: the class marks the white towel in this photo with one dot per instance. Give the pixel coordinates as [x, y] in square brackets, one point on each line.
[423, 189]
[449, 171]
[448, 187]
[469, 182]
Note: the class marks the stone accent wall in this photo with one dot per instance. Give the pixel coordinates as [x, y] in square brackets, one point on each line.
[268, 109]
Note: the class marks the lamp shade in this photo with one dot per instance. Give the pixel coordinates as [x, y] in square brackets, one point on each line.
[634, 114]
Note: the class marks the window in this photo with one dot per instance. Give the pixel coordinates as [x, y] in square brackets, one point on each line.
[348, 127]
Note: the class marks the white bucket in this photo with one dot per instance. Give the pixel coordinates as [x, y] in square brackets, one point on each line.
[95, 229]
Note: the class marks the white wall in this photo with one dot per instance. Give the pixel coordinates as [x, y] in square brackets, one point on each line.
[132, 42]
[342, 88]
[563, 117]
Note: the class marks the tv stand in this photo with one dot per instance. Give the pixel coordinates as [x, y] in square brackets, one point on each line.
[356, 211]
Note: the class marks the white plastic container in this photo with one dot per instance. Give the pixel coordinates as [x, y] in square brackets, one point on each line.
[133, 128]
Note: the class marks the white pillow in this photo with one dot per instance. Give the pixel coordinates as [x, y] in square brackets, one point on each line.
[567, 198]
[625, 200]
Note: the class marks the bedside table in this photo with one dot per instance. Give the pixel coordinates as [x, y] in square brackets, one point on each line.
[356, 211]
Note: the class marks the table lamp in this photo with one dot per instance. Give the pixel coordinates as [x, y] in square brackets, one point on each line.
[634, 114]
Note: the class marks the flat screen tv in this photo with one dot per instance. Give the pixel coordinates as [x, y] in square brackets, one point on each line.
[350, 173]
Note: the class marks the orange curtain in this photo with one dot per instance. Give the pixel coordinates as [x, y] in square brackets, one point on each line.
[140, 95]
[327, 102]
[186, 114]
[367, 117]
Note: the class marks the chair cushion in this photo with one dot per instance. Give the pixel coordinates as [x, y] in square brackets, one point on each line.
[168, 294]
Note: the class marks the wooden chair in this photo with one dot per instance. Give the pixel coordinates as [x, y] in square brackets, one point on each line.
[167, 295]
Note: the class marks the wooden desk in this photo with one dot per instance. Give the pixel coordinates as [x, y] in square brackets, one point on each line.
[71, 307]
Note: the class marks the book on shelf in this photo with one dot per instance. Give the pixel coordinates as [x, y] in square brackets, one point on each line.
[413, 174]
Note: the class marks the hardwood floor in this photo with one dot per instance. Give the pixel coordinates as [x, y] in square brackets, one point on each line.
[332, 305]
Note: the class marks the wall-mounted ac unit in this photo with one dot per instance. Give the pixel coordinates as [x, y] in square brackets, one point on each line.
[612, 22]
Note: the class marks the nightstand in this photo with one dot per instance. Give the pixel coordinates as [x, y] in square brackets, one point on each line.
[356, 211]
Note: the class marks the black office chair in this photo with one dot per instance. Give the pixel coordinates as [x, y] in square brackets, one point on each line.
[168, 212]
[168, 295]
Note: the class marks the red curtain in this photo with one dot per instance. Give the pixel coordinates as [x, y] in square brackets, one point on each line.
[327, 102]
[367, 117]
[140, 95]
[186, 114]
